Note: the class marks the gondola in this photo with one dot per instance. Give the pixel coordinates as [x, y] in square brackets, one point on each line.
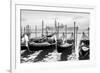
[40, 46]
[44, 38]
[84, 53]
[84, 50]
[24, 47]
[71, 39]
[66, 45]
[40, 43]
[37, 46]
[38, 39]
[67, 48]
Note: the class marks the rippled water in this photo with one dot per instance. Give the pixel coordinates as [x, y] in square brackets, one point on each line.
[50, 55]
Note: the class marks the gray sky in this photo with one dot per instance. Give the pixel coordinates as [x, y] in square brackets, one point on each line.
[35, 18]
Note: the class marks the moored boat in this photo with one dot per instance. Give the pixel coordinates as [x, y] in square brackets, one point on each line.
[65, 48]
[84, 50]
[40, 46]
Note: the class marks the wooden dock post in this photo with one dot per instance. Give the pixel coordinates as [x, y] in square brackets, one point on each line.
[55, 26]
[66, 31]
[58, 31]
[35, 31]
[42, 28]
[46, 32]
[74, 36]
[24, 30]
[56, 35]
[88, 32]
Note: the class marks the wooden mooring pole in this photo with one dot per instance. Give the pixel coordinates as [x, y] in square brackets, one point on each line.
[35, 31]
[74, 36]
[42, 28]
[66, 31]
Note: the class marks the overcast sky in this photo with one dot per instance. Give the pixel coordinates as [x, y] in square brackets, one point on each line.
[34, 18]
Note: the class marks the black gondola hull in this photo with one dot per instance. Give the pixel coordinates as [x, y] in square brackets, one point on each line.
[67, 49]
[23, 47]
[84, 55]
[36, 48]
